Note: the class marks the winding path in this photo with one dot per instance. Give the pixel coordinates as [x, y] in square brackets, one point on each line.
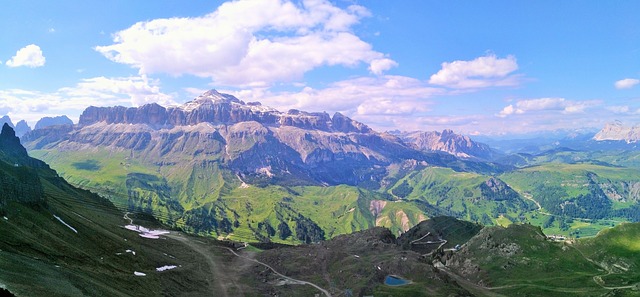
[217, 275]
[487, 290]
[598, 278]
[216, 272]
[293, 280]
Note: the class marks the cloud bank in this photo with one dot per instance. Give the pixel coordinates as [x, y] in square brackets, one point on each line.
[249, 43]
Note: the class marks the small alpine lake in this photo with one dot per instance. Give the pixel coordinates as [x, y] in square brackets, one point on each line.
[394, 281]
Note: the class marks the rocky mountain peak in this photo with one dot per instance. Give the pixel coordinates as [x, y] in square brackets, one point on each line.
[448, 133]
[6, 119]
[10, 145]
[7, 133]
[22, 128]
[343, 123]
[616, 131]
[210, 98]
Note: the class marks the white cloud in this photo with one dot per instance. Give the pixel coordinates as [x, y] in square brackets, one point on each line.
[30, 56]
[626, 83]
[547, 104]
[248, 43]
[624, 110]
[482, 72]
[386, 94]
[619, 108]
[139, 90]
[378, 66]
[390, 107]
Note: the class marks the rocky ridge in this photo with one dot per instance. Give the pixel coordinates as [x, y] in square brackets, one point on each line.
[447, 141]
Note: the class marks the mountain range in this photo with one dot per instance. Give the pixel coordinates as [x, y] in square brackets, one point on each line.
[222, 167]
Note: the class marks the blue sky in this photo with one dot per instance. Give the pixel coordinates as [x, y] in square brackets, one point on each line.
[477, 67]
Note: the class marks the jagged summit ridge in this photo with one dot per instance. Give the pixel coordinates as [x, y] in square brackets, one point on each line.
[218, 108]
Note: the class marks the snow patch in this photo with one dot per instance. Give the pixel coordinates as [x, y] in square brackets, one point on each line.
[166, 267]
[145, 232]
[64, 223]
[136, 273]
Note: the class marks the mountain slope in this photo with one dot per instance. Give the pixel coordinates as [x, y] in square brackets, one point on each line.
[521, 260]
[57, 240]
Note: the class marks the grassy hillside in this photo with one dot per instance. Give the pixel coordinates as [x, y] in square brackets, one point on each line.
[578, 199]
[203, 198]
[462, 195]
[616, 251]
[70, 242]
[519, 260]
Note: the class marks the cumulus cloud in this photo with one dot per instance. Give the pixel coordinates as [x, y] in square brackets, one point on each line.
[30, 56]
[378, 66]
[139, 90]
[248, 43]
[547, 104]
[626, 83]
[482, 72]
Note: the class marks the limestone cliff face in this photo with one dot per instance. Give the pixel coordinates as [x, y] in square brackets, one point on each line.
[216, 108]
